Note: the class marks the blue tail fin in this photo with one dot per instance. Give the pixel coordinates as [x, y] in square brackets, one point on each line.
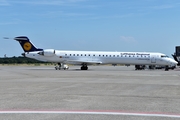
[26, 44]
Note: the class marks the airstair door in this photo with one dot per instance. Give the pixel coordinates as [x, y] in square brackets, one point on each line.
[153, 59]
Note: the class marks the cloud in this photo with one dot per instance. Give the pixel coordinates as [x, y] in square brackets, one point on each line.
[127, 39]
[76, 0]
[8, 23]
[163, 7]
[4, 3]
[13, 21]
[49, 2]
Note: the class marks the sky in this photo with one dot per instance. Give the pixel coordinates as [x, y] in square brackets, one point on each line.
[95, 25]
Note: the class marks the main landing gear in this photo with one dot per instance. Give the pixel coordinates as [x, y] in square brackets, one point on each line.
[169, 67]
[61, 66]
[84, 67]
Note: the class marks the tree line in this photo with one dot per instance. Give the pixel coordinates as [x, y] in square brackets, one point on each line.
[19, 60]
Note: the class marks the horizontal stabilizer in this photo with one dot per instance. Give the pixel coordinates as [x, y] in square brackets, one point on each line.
[21, 38]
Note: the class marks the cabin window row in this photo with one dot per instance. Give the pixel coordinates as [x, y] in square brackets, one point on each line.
[107, 55]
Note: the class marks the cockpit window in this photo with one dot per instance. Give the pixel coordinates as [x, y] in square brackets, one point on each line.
[164, 56]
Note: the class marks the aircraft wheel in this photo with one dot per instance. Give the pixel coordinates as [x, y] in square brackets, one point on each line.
[65, 68]
[56, 68]
[84, 68]
[166, 68]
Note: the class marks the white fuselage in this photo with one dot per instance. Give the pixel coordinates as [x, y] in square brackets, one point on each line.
[98, 57]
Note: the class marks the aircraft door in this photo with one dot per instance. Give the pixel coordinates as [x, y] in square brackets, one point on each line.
[153, 59]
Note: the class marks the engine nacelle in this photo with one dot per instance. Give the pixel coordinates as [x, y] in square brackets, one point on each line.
[47, 52]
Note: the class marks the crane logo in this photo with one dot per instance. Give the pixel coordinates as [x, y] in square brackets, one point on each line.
[27, 46]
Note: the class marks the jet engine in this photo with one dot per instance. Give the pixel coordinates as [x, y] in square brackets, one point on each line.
[47, 52]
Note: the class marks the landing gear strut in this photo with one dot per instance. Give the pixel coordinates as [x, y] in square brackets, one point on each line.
[166, 68]
[61, 66]
[84, 67]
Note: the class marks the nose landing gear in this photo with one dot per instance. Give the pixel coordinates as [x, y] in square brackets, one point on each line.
[166, 68]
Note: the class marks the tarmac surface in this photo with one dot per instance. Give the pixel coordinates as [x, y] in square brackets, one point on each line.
[100, 93]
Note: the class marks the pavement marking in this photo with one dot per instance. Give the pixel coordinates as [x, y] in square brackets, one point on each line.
[92, 113]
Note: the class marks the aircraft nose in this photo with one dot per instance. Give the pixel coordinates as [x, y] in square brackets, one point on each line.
[174, 62]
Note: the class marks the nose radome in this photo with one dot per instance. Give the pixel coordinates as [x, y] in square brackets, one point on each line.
[174, 62]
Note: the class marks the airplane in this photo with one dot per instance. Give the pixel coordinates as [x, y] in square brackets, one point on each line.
[176, 55]
[85, 58]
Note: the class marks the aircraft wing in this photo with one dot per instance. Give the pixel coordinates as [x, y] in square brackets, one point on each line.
[83, 61]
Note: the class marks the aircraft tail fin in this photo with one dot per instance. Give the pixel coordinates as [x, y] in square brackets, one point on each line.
[26, 44]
